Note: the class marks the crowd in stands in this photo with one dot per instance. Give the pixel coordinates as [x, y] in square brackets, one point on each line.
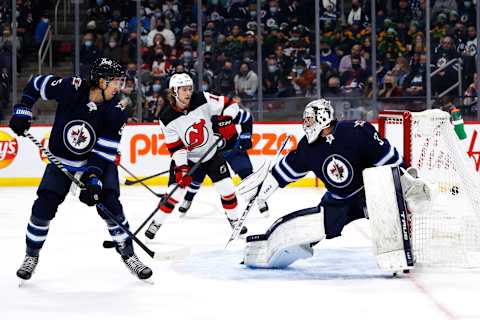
[31, 25]
[169, 42]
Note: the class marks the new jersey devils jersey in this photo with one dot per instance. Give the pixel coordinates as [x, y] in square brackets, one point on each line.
[338, 159]
[188, 133]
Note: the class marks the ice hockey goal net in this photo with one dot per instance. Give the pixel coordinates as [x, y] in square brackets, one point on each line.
[448, 233]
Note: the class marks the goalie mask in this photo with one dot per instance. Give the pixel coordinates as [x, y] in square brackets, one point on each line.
[317, 116]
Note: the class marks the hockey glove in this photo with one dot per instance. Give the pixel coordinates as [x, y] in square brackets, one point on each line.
[225, 126]
[93, 186]
[181, 177]
[21, 119]
[245, 141]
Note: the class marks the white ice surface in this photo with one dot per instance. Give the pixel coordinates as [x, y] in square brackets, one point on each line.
[78, 279]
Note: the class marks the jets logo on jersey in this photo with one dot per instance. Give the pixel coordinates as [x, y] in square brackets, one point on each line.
[196, 135]
[337, 170]
[79, 136]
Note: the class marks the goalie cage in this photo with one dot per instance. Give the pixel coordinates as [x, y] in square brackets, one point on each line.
[448, 233]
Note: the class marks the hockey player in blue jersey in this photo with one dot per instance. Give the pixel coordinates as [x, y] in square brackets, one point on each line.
[85, 137]
[336, 152]
[235, 153]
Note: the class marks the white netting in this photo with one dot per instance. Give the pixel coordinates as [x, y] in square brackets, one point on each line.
[449, 233]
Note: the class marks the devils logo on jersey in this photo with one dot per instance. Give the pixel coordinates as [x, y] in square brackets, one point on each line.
[337, 170]
[196, 135]
[79, 136]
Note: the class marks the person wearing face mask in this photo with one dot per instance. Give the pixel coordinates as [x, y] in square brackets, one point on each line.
[447, 77]
[160, 27]
[88, 53]
[246, 82]
[113, 50]
[346, 61]
[273, 11]
[271, 76]
[223, 80]
[303, 78]
[249, 48]
[327, 55]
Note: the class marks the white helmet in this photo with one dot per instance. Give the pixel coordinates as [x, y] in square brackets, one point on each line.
[179, 80]
[317, 116]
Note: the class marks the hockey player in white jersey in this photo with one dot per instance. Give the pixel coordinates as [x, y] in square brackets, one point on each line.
[187, 123]
[337, 152]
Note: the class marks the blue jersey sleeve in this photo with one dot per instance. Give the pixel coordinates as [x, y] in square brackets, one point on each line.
[108, 140]
[245, 120]
[49, 87]
[379, 151]
[291, 167]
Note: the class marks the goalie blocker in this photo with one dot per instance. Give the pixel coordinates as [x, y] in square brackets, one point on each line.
[387, 211]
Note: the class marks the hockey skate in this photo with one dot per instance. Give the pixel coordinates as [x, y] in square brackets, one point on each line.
[233, 223]
[136, 267]
[184, 207]
[27, 268]
[152, 230]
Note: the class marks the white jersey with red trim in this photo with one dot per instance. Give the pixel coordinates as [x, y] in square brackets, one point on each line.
[188, 133]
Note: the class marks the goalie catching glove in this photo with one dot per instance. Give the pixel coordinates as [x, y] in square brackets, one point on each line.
[417, 192]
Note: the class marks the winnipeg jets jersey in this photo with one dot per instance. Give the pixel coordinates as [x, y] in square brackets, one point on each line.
[188, 133]
[339, 159]
[83, 132]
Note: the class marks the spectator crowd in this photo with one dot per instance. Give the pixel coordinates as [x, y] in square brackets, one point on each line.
[169, 44]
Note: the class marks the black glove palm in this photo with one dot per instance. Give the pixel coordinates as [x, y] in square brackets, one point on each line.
[21, 119]
[245, 141]
[93, 186]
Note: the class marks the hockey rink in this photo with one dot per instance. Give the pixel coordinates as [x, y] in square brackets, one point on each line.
[78, 279]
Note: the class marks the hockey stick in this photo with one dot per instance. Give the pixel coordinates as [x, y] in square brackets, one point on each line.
[109, 244]
[243, 217]
[81, 185]
[158, 195]
[132, 182]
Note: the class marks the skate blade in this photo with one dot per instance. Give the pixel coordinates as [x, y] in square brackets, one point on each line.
[21, 282]
[182, 214]
[148, 281]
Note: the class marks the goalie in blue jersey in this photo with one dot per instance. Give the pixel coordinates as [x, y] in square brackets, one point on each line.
[85, 136]
[337, 152]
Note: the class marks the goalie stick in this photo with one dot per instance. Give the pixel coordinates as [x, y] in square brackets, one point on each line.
[59, 165]
[243, 217]
[132, 182]
[110, 244]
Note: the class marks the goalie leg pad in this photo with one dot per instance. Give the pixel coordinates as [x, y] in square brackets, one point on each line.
[388, 218]
[286, 241]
